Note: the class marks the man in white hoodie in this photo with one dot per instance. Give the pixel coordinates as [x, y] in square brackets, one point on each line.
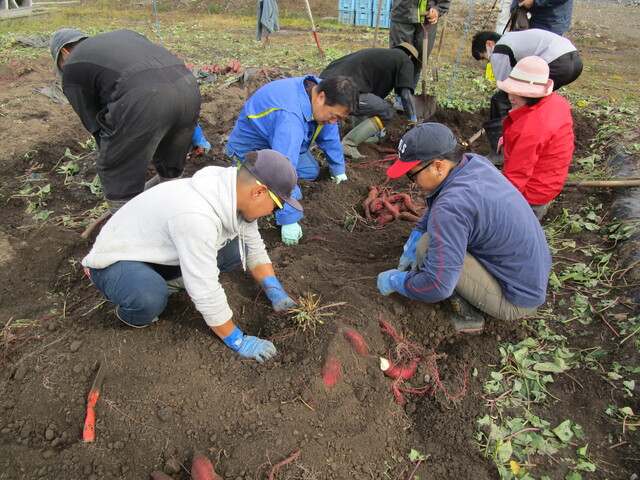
[193, 229]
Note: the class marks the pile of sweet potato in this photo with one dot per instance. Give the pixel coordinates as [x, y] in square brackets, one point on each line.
[383, 206]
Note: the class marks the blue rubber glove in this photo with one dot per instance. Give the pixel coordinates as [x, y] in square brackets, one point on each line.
[198, 139]
[338, 179]
[274, 291]
[408, 260]
[291, 234]
[392, 281]
[250, 347]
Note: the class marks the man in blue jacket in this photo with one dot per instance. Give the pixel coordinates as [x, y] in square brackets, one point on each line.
[478, 243]
[288, 116]
[551, 15]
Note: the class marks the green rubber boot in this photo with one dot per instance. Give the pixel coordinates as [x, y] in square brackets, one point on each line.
[358, 134]
[115, 205]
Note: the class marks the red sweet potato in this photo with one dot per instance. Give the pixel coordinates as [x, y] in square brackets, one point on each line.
[403, 371]
[202, 469]
[396, 198]
[393, 210]
[331, 371]
[373, 194]
[408, 203]
[357, 342]
[376, 205]
[384, 218]
[409, 217]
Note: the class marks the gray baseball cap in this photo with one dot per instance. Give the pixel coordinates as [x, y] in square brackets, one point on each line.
[422, 143]
[274, 170]
[63, 37]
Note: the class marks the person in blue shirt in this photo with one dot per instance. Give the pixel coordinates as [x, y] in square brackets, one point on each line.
[478, 243]
[288, 116]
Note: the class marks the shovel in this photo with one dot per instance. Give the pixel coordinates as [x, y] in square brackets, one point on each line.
[434, 71]
[313, 29]
[425, 104]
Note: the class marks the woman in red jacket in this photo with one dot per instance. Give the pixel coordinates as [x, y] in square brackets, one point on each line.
[537, 134]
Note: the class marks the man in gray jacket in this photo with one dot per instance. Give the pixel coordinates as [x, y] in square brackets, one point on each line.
[186, 233]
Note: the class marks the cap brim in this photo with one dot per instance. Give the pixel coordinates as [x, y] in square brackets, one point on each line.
[399, 168]
[293, 203]
[525, 90]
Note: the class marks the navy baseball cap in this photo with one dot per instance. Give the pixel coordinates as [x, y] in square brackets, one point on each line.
[274, 170]
[422, 143]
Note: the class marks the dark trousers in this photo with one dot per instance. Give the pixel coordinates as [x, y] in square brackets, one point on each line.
[565, 69]
[372, 105]
[151, 123]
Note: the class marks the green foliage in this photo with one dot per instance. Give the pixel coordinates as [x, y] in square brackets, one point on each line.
[95, 186]
[513, 441]
[526, 370]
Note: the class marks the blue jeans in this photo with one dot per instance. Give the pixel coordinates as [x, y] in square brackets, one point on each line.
[140, 288]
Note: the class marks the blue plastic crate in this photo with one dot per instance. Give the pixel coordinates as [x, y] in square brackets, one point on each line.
[385, 20]
[346, 5]
[347, 17]
[363, 18]
[386, 6]
[363, 5]
[385, 14]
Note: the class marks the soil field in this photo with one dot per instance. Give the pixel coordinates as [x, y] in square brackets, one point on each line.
[172, 389]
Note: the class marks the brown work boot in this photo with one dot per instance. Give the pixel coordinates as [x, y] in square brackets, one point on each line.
[465, 317]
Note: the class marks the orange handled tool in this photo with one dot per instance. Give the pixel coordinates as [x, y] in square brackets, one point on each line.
[89, 429]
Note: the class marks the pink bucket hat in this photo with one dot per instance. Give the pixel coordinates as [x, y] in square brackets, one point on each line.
[529, 78]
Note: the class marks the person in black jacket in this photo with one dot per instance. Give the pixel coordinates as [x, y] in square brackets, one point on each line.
[137, 99]
[376, 72]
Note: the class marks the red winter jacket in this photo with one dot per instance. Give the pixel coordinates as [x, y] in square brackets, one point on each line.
[538, 147]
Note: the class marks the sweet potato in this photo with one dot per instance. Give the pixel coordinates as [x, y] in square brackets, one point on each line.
[409, 217]
[403, 371]
[373, 194]
[331, 371]
[408, 203]
[202, 469]
[357, 342]
[384, 218]
[393, 210]
[376, 205]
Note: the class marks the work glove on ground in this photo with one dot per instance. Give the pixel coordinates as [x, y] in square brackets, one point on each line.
[274, 291]
[198, 139]
[408, 260]
[392, 281]
[291, 234]
[338, 179]
[250, 347]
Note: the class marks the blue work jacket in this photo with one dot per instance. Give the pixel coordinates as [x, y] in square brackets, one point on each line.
[279, 116]
[477, 210]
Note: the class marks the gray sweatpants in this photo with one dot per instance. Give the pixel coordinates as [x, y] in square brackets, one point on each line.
[479, 287]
